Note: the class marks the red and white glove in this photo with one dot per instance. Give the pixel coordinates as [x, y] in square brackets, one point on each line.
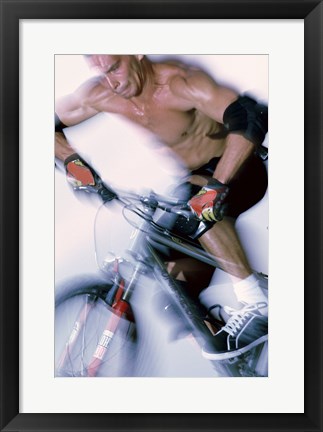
[78, 172]
[83, 178]
[207, 205]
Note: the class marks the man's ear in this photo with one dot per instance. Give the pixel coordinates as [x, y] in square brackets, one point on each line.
[140, 57]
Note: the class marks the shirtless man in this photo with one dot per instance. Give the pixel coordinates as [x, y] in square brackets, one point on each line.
[214, 132]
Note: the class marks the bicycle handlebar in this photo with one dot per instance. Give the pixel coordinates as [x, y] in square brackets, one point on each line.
[153, 201]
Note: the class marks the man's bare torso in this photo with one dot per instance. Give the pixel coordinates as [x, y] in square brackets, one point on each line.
[171, 119]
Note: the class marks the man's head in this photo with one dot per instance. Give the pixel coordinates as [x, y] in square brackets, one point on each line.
[124, 74]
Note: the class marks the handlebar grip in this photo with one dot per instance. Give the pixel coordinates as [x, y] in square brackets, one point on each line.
[106, 194]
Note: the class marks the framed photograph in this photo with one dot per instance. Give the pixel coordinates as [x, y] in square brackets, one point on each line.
[53, 376]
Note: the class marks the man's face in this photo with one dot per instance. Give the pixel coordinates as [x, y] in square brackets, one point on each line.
[122, 73]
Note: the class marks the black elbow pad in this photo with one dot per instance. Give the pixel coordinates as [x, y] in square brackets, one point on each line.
[59, 125]
[247, 117]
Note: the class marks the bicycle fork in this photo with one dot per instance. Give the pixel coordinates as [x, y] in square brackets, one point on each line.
[121, 306]
[76, 331]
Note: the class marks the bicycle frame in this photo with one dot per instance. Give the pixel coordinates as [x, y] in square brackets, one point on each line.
[188, 308]
[145, 258]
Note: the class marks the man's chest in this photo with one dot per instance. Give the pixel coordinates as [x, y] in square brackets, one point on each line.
[167, 122]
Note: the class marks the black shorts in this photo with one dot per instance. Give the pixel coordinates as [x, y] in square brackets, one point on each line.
[248, 187]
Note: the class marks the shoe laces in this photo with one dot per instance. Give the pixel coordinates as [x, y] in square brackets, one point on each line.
[239, 316]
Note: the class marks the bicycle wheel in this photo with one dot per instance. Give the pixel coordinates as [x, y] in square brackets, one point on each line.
[91, 337]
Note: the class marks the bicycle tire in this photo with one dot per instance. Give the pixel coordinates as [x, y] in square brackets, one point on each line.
[76, 342]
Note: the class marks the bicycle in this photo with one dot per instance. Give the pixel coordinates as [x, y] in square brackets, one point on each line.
[101, 315]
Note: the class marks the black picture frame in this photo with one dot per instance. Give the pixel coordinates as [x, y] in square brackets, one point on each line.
[11, 12]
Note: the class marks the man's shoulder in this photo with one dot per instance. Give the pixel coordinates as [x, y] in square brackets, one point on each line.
[186, 79]
[92, 90]
[92, 85]
[174, 69]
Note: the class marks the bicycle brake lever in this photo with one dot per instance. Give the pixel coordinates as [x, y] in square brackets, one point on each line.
[86, 188]
[106, 194]
[184, 211]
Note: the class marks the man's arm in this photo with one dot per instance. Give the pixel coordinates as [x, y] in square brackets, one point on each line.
[246, 126]
[72, 110]
[213, 100]
[69, 111]
[237, 150]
